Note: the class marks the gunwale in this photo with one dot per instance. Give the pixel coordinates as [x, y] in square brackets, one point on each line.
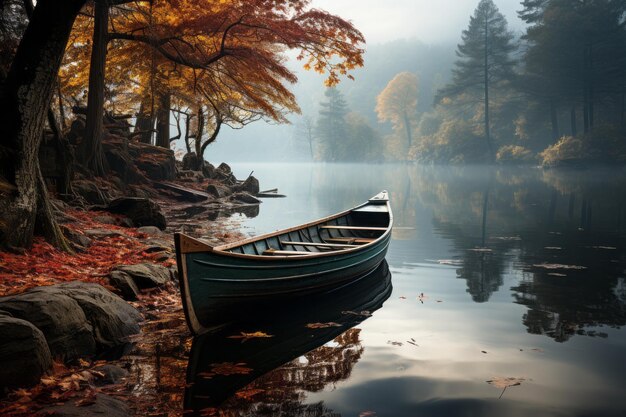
[223, 250]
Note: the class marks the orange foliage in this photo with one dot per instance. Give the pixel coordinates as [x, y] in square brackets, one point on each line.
[45, 265]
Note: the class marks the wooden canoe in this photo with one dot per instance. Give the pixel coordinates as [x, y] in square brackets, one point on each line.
[311, 258]
[290, 326]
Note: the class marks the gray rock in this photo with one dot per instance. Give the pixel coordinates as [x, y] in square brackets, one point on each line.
[112, 374]
[104, 406]
[225, 168]
[78, 239]
[77, 319]
[208, 170]
[250, 186]
[146, 275]
[105, 219]
[59, 317]
[125, 284]
[245, 198]
[150, 230]
[191, 162]
[89, 191]
[218, 190]
[113, 320]
[24, 353]
[142, 211]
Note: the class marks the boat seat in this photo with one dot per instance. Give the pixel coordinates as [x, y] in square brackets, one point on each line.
[350, 240]
[369, 229]
[277, 252]
[320, 245]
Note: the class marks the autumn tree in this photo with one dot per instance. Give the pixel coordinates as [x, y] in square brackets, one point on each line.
[397, 103]
[484, 61]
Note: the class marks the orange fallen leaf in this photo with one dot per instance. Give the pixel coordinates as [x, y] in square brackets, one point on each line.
[246, 336]
[322, 325]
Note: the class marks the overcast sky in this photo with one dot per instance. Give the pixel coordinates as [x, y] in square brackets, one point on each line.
[431, 21]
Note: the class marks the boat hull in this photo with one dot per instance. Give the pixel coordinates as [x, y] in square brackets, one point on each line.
[219, 283]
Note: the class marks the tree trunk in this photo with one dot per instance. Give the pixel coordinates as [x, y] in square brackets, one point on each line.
[91, 147]
[187, 135]
[572, 115]
[144, 124]
[486, 81]
[163, 120]
[212, 138]
[27, 95]
[199, 133]
[554, 119]
[407, 127]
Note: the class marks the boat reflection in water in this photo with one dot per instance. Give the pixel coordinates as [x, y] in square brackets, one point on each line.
[229, 362]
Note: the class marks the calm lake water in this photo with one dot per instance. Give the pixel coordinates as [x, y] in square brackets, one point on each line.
[514, 276]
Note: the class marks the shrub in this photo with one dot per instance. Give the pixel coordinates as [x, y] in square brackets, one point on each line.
[515, 155]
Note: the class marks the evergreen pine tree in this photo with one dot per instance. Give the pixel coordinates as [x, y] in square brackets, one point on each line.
[332, 126]
[484, 60]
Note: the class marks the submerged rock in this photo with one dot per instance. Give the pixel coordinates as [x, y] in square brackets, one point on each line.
[24, 353]
[218, 190]
[245, 198]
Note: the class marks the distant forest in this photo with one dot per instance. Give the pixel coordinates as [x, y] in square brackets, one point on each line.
[553, 95]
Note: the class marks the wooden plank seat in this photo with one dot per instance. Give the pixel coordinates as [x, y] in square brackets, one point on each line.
[277, 252]
[350, 240]
[319, 245]
[364, 228]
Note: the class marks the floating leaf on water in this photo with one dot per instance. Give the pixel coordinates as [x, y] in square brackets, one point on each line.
[558, 266]
[229, 368]
[412, 342]
[402, 297]
[247, 394]
[537, 350]
[394, 343]
[247, 336]
[322, 325]
[504, 383]
[484, 351]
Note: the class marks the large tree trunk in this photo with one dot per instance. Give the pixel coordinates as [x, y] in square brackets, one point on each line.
[91, 147]
[26, 97]
[212, 138]
[407, 128]
[163, 120]
[199, 133]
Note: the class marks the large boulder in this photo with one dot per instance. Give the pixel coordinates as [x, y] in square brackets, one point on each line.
[125, 284]
[77, 319]
[250, 186]
[24, 353]
[142, 211]
[113, 320]
[145, 275]
[60, 319]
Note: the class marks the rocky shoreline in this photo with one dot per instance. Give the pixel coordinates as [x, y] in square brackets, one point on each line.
[65, 317]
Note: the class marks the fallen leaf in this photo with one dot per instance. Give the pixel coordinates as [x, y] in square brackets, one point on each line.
[247, 394]
[504, 383]
[394, 343]
[247, 336]
[484, 351]
[363, 313]
[322, 325]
